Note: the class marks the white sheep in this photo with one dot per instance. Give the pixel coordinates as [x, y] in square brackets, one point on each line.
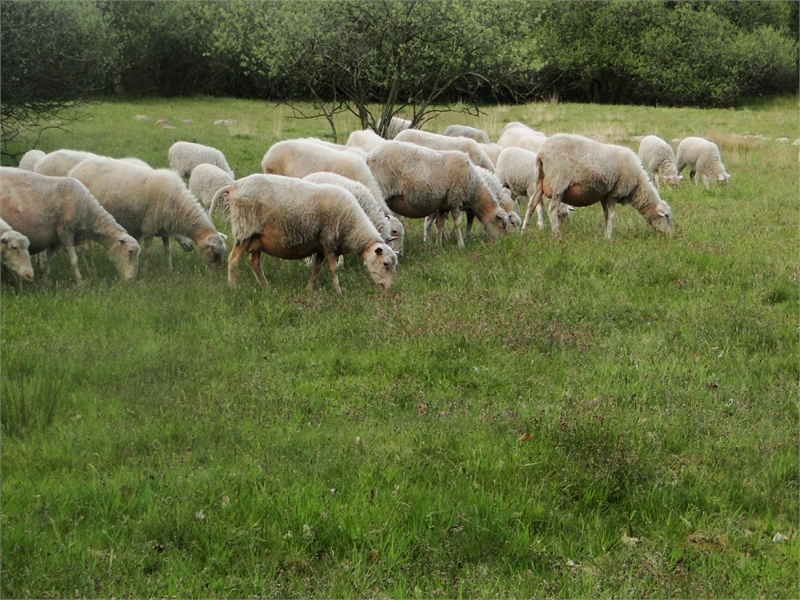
[185, 156]
[204, 182]
[366, 139]
[658, 160]
[291, 219]
[396, 125]
[59, 162]
[341, 147]
[582, 172]
[517, 135]
[14, 254]
[298, 158]
[517, 170]
[152, 202]
[504, 199]
[436, 141]
[703, 159]
[60, 211]
[389, 226]
[466, 131]
[418, 181]
[30, 158]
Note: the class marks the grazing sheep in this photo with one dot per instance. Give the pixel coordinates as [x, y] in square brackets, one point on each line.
[298, 158]
[204, 182]
[418, 181]
[442, 142]
[582, 172]
[389, 226]
[466, 131]
[30, 158]
[504, 199]
[658, 160]
[517, 171]
[290, 218]
[14, 255]
[152, 202]
[60, 211]
[59, 162]
[396, 125]
[517, 135]
[703, 159]
[366, 139]
[185, 156]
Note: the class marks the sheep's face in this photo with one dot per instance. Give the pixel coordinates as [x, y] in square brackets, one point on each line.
[672, 179]
[661, 220]
[124, 253]
[514, 222]
[212, 249]
[497, 223]
[396, 234]
[381, 263]
[14, 254]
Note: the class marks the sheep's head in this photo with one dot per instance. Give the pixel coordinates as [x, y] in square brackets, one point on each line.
[15, 256]
[381, 262]
[496, 222]
[396, 234]
[212, 249]
[514, 222]
[672, 179]
[124, 253]
[661, 218]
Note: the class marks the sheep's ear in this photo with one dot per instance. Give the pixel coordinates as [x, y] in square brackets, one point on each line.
[224, 237]
[379, 250]
[662, 210]
[4, 240]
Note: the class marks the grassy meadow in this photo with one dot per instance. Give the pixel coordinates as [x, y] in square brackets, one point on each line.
[532, 417]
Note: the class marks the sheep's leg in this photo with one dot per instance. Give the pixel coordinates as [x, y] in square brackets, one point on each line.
[426, 230]
[332, 259]
[441, 217]
[255, 264]
[73, 261]
[552, 211]
[539, 215]
[233, 263]
[608, 212]
[46, 260]
[167, 251]
[317, 264]
[534, 202]
[457, 226]
[693, 175]
[84, 249]
[470, 219]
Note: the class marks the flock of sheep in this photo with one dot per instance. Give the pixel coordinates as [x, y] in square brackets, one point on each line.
[323, 200]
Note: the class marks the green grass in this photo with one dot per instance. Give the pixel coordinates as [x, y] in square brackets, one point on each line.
[530, 417]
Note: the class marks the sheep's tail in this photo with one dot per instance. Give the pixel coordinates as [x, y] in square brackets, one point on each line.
[224, 191]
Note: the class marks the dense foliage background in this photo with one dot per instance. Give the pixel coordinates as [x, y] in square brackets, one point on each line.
[669, 53]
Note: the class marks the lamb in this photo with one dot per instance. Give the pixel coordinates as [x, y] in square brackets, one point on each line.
[658, 160]
[30, 158]
[152, 202]
[298, 158]
[60, 211]
[389, 226]
[466, 131]
[442, 142]
[14, 255]
[703, 158]
[581, 171]
[517, 170]
[504, 199]
[204, 182]
[366, 139]
[291, 218]
[185, 156]
[517, 135]
[59, 162]
[418, 181]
